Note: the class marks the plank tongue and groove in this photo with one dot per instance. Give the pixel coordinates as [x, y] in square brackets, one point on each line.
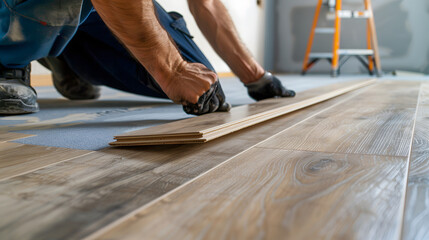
[211, 126]
[74, 198]
[345, 183]
[416, 220]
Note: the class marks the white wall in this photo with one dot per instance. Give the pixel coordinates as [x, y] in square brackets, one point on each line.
[247, 16]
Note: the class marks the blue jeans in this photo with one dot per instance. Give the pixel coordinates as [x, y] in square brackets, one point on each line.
[94, 54]
[32, 29]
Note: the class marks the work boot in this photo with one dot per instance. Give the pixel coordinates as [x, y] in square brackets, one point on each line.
[67, 82]
[16, 94]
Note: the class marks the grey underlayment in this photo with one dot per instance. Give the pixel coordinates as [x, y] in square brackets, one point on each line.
[91, 125]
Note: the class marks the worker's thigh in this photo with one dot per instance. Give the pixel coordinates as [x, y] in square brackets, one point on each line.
[95, 55]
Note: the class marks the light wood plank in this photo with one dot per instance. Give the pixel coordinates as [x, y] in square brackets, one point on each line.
[10, 136]
[41, 80]
[394, 92]
[279, 194]
[416, 220]
[75, 198]
[19, 158]
[424, 100]
[292, 194]
[220, 124]
[380, 127]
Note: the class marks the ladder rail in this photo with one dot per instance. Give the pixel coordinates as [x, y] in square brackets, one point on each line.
[336, 40]
[369, 46]
[305, 65]
[368, 7]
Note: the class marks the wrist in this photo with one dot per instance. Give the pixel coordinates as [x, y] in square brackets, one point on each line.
[253, 74]
[164, 72]
[265, 79]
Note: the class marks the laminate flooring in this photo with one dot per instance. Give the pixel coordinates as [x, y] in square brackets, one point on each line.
[87, 193]
[346, 177]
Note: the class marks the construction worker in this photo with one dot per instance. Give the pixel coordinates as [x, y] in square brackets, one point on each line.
[150, 52]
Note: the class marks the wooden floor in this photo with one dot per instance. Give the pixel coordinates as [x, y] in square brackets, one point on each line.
[353, 167]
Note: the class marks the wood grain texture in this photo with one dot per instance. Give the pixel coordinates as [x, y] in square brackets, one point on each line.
[416, 219]
[280, 194]
[220, 124]
[75, 198]
[380, 127]
[424, 100]
[10, 136]
[19, 158]
[393, 92]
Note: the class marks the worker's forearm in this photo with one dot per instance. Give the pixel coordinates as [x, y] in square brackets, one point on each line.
[136, 25]
[216, 24]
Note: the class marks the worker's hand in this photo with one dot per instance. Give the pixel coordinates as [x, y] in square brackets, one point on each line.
[268, 86]
[187, 82]
[211, 101]
[197, 88]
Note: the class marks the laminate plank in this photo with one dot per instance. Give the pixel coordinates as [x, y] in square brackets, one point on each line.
[424, 100]
[239, 117]
[394, 92]
[10, 136]
[416, 219]
[380, 127]
[279, 194]
[75, 198]
[19, 158]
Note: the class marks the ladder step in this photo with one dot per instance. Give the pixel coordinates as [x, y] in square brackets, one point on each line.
[325, 30]
[344, 52]
[349, 14]
[366, 52]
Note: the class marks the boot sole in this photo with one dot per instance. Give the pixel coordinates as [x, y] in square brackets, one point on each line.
[16, 106]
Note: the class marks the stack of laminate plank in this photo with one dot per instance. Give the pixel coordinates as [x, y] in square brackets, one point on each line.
[208, 127]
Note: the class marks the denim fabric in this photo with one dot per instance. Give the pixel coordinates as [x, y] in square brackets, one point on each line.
[32, 29]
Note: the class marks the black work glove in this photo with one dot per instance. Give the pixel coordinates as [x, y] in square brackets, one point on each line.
[268, 86]
[211, 101]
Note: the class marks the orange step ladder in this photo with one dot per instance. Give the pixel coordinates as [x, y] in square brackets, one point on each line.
[368, 57]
